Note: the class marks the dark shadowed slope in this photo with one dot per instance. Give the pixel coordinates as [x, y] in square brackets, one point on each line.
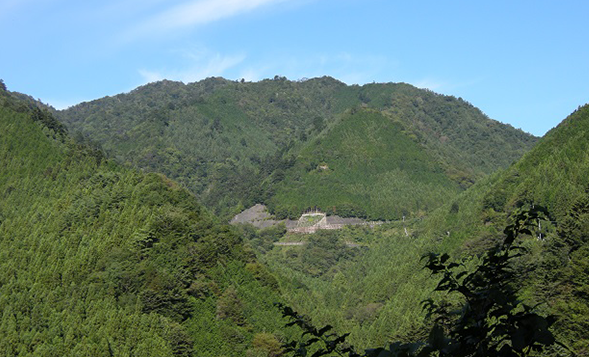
[554, 175]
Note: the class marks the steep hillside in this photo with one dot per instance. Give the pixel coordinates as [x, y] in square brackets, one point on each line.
[232, 142]
[552, 175]
[97, 260]
[375, 290]
[364, 166]
[218, 138]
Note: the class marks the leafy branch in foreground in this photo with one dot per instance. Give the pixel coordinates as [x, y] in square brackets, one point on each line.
[320, 341]
[490, 320]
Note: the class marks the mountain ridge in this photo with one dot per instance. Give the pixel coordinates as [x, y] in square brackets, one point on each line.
[552, 175]
[374, 292]
[100, 260]
[232, 142]
[58, 193]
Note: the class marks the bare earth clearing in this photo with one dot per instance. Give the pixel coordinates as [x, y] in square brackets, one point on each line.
[259, 217]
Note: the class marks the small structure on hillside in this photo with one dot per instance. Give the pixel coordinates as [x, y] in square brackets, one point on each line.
[309, 222]
[311, 219]
[314, 221]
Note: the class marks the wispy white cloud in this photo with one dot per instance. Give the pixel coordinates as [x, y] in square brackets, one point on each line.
[151, 76]
[351, 68]
[448, 86]
[193, 13]
[201, 64]
[430, 83]
[254, 74]
[354, 68]
[64, 104]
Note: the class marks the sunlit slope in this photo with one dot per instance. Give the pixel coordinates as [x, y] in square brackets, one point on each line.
[375, 292]
[97, 260]
[366, 165]
[230, 142]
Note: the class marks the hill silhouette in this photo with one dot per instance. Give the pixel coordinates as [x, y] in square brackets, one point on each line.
[101, 260]
[233, 143]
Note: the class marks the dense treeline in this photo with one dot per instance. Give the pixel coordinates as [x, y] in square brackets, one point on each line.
[553, 175]
[365, 167]
[97, 260]
[375, 294]
[371, 289]
[485, 317]
[234, 143]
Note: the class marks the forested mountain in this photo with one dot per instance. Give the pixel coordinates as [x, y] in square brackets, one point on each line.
[100, 260]
[365, 166]
[375, 290]
[554, 175]
[239, 143]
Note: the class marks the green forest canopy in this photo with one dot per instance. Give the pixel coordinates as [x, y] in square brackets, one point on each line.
[90, 244]
[234, 143]
[99, 260]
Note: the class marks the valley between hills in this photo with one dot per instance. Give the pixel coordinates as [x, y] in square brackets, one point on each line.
[122, 232]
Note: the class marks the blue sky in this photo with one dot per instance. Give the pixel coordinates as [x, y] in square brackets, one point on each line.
[522, 62]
